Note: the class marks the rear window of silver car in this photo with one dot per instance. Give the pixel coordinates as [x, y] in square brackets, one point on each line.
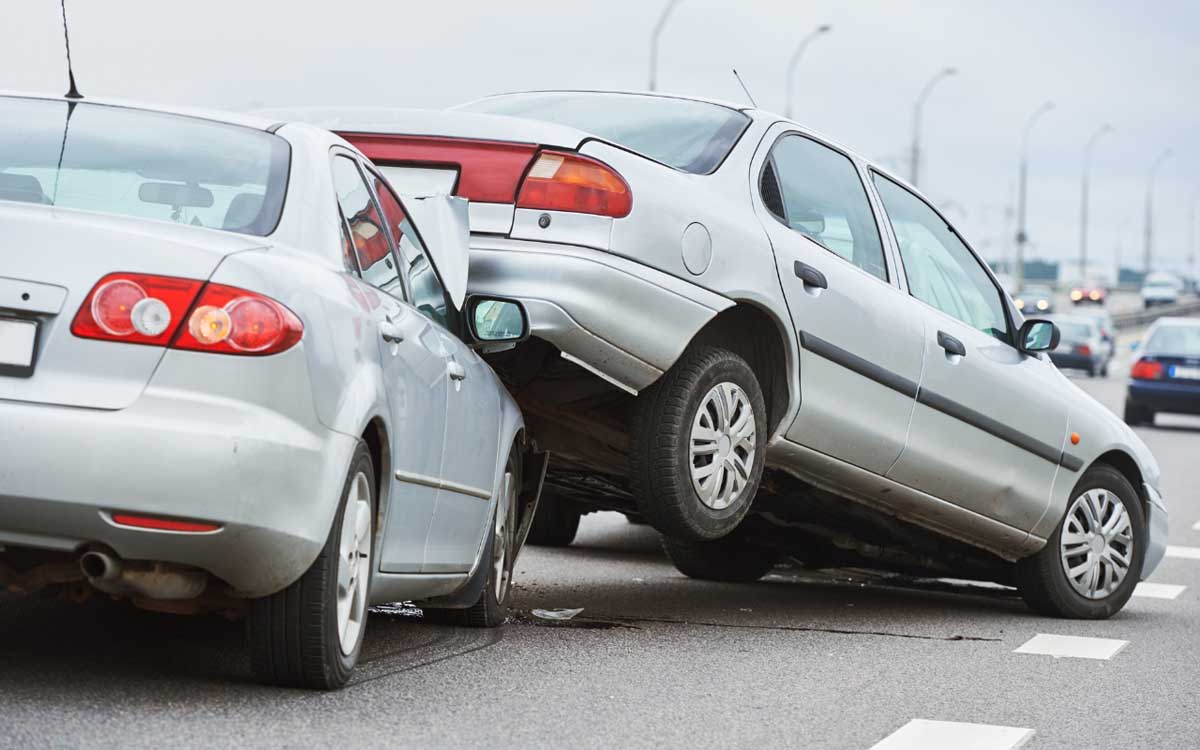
[1176, 340]
[140, 163]
[688, 135]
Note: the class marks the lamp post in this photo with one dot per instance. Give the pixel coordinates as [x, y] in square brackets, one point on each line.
[654, 37]
[916, 144]
[1083, 206]
[1148, 240]
[791, 71]
[1192, 236]
[1023, 190]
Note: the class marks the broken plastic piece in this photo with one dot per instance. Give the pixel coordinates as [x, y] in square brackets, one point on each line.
[556, 614]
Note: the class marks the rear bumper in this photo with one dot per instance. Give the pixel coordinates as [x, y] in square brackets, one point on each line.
[1156, 531]
[620, 319]
[270, 480]
[1168, 396]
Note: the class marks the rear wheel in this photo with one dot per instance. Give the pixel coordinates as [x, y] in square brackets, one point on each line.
[732, 559]
[697, 451]
[554, 524]
[1093, 560]
[310, 634]
[1137, 415]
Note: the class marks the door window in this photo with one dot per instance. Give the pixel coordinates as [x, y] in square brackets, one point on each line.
[941, 270]
[372, 249]
[817, 192]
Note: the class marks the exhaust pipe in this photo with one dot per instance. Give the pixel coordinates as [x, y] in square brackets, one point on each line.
[99, 566]
[141, 580]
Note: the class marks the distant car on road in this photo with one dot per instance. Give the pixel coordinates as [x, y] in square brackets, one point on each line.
[1166, 375]
[1160, 289]
[766, 345]
[1035, 300]
[235, 376]
[1081, 346]
[1089, 292]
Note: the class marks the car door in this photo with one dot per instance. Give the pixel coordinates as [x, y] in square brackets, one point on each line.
[472, 425]
[861, 340]
[414, 373]
[988, 430]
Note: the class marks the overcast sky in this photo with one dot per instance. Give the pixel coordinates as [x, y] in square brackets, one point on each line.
[1135, 65]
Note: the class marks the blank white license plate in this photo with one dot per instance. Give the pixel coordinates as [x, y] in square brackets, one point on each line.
[1188, 373]
[16, 342]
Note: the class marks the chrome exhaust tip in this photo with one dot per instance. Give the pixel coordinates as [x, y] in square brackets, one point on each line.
[99, 566]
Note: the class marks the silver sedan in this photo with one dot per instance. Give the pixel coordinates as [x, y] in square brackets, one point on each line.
[237, 374]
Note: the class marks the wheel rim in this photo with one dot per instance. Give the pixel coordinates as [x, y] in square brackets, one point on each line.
[354, 563]
[723, 445]
[1097, 544]
[501, 571]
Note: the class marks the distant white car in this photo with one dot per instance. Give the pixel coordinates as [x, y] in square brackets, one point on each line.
[1160, 289]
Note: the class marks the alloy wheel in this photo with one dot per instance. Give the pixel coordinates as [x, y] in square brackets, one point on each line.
[723, 442]
[354, 563]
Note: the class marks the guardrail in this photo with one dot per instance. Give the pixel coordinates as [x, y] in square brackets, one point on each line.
[1138, 318]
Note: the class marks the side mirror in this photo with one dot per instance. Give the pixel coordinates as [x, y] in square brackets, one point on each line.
[496, 324]
[1038, 336]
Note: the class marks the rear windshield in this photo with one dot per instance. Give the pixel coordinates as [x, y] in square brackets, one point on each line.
[682, 133]
[145, 164]
[1179, 341]
[1073, 330]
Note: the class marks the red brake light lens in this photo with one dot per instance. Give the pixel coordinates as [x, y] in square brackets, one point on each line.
[135, 308]
[1083, 349]
[234, 321]
[560, 181]
[163, 524]
[1145, 369]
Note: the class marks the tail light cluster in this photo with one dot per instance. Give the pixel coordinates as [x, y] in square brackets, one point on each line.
[185, 314]
[1146, 369]
[560, 181]
[1083, 349]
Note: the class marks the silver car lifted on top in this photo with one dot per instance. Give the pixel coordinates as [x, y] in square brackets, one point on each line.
[764, 344]
[235, 375]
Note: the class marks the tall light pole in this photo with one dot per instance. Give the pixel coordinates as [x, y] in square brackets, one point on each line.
[654, 37]
[1083, 205]
[791, 71]
[1148, 246]
[1023, 191]
[916, 144]
[1192, 236]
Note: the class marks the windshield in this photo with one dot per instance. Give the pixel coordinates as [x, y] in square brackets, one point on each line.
[139, 163]
[682, 133]
[1179, 341]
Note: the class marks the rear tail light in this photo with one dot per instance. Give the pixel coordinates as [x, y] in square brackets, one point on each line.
[185, 314]
[1083, 349]
[1145, 369]
[560, 181]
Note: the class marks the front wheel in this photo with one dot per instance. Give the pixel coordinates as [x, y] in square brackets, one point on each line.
[1093, 560]
[731, 559]
[698, 445]
[310, 634]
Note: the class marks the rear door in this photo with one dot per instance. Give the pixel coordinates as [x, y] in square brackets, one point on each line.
[988, 430]
[861, 338]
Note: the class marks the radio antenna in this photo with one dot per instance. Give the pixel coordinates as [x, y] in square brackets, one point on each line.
[72, 92]
[743, 84]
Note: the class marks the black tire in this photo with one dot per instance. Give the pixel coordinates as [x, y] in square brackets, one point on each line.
[293, 633]
[1044, 584]
[1091, 371]
[554, 524]
[660, 453]
[1104, 370]
[1137, 415]
[731, 559]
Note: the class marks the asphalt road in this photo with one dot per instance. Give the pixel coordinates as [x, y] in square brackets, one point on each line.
[838, 660]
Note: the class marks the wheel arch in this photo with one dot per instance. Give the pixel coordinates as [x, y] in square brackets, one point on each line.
[1128, 467]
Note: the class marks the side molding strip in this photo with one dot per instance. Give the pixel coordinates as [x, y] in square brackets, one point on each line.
[855, 363]
[442, 484]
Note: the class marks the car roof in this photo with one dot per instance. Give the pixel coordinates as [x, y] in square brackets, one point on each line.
[215, 115]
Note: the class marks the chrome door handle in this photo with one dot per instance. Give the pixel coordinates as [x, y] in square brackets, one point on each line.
[456, 371]
[390, 333]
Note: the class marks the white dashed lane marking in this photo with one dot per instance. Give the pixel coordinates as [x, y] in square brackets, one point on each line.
[1158, 590]
[1187, 553]
[1072, 646]
[922, 734]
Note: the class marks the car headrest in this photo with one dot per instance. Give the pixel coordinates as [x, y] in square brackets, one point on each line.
[243, 211]
[21, 187]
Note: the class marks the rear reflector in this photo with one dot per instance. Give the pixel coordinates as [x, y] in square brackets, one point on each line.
[163, 524]
[560, 181]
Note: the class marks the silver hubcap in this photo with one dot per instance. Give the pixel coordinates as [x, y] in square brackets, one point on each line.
[1097, 544]
[354, 563]
[501, 572]
[723, 444]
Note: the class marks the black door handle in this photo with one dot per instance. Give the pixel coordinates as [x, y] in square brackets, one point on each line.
[951, 344]
[810, 276]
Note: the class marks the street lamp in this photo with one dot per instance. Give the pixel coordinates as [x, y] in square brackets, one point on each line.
[1023, 189]
[916, 144]
[1191, 260]
[791, 71]
[658, 29]
[1149, 238]
[1083, 207]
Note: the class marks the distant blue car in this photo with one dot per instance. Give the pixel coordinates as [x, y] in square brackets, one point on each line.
[1166, 376]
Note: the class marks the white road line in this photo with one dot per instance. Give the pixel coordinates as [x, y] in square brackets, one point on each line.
[1072, 646]
[1187, 553]
[922, 734]
[1158, 590]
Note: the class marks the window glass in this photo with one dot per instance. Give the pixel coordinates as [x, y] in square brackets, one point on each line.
[941, 270]
[1175, 340]
[824, 199]
[371, 245]
[428, 294]
[149, 165]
